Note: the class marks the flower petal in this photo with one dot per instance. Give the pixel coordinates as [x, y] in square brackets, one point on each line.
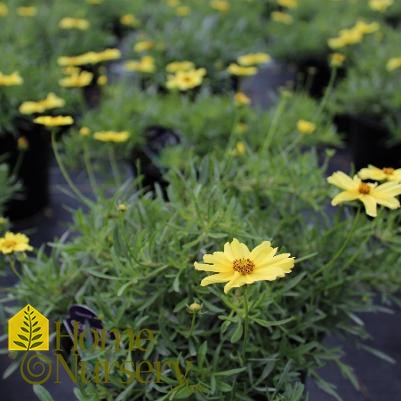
[217, 278]
[370, 205]
[344, 196]
[261, 252]
[343, 181]
[239, 249]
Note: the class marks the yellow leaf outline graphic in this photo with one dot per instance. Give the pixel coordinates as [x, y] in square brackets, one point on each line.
[31, 331]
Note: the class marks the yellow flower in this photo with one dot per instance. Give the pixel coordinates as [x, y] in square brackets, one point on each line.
[54, 121]
[129, 20]
[337, 59]
[347, 37]
[235, 69]
[83, 78]
[238, 266]
[84, 131]
[3, 9]
[175, 66]
[183, 11]
[281, 17]
[22, 143]
[220, 5]
[173, 3]
[241, 99]
[146, 65]
[143, 46]
[305, 127]
[369, 194]
[253, 59]
[111, 136]
[30, 11]
[74, 23]
[185, 80]
[51, 102]
[11, 243]
[10, 79]
[240, 149]
[393, 64]
[380, 5]
[288, 3]
[102, 80]
[380, 174]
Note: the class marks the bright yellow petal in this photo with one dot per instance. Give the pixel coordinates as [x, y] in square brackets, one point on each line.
[343, 181]
[237, 280]
[218, 258]
[370, 205]
[386, 190]
[282, 262]
[391, 203]
[217, 278]
[344, 196]
[372, 173]
[239, 250]
[211, 268]
[262, 251]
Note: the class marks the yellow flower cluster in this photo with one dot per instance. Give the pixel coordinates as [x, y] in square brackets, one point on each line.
[90, 58]
[241, 99]
[282, 18]
[111, 136]
[245, 65]
[288, 3]
[176, 66]
[370, 194]
[50, 102]
[74, 23]
[12, 243]
[3, 9]
[184, 80]
[144, 45]
[145, 65]
[13, 79]
[353, 35]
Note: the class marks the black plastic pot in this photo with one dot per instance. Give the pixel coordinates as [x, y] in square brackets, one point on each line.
[31, 167]
[368, 140]
[143, 158]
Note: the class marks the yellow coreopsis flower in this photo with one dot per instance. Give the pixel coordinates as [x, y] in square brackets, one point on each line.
[288, 3]
[51, 102]
[89, 58]
[369, 194]
[239, 70]
[346, 37]
[393, 64]
[176, 66]
[238, 266]
[365, 27]
[28, 11]
[129, 20]
[281, 17]
[144, 45]
[54, 121]
[109, 55]
[79, 80]
[220, 5]
[13, 79]
[253, 59]
[380, 5]
[185, 80]
[305, 127]
[74, 23]
[3, 9]
[380, 174]
[111, 136]
[11, 243]
[241, 99]
[146, 65]
[337, 59]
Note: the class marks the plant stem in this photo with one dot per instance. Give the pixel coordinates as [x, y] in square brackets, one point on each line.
[114, 167]
[14, 267]
[63, 170]
[246, 323]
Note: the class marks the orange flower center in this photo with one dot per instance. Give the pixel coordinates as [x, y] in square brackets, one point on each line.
[388, 170]
[244, 266]
[364, 188]
[9, 243]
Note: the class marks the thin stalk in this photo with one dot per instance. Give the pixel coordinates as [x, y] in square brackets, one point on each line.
[246, 323]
